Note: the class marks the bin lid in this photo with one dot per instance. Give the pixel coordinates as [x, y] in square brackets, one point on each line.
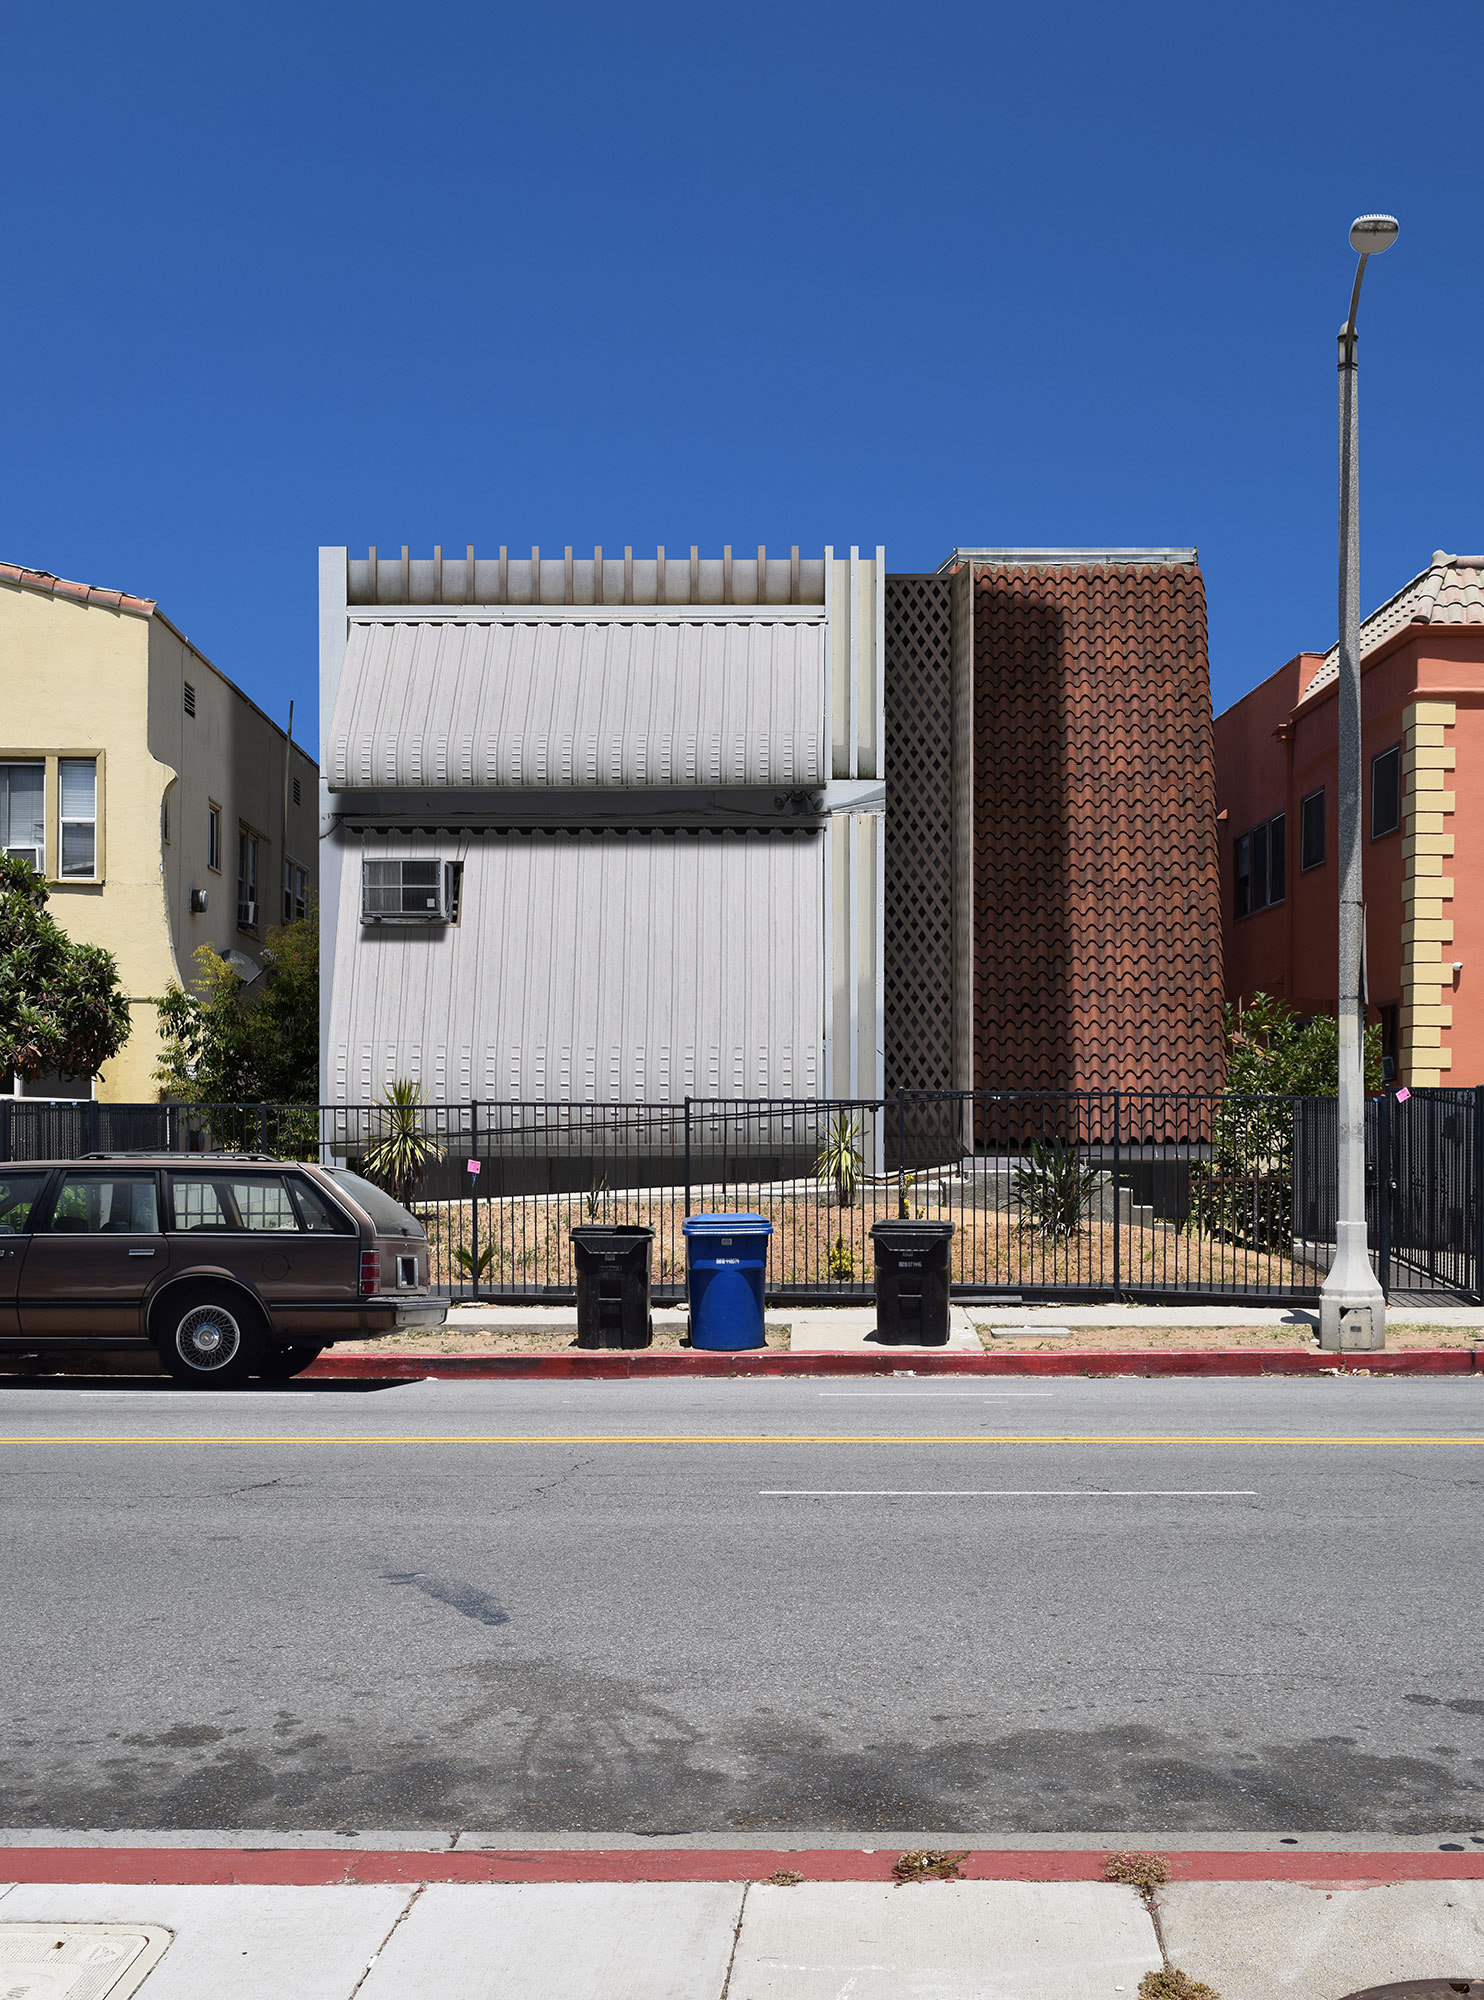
[610, 1232]
[738, 1224]
[903, 1232]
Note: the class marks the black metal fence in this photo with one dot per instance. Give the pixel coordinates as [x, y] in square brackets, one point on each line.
[1054, 1195]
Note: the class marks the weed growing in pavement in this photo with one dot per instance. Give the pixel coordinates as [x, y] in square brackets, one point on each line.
[784, 1878]
[1172, 1984]
[1144, 1872]
[929, 1864]
[1147, 1873]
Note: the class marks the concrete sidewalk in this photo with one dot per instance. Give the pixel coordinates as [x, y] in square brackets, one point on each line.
[997, 1939]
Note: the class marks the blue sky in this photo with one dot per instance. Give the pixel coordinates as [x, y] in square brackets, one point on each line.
[289, 275]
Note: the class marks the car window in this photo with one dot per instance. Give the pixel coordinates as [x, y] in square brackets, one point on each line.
[384, 1209]
[258, 1203]
[319, 1215]
[106, 1205]
[18, 1194]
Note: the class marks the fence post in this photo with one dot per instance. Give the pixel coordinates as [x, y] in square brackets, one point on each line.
[473, 1154]
[901, 1154]
[1383, 1191]
[262, 1128]
[1477, 1287]
[1119, 1239]
[687, 1156]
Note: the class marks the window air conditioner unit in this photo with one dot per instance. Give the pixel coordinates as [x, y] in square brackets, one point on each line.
[247, 916]
[410, 892]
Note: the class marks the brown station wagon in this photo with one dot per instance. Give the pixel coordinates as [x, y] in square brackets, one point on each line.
[229, 1264]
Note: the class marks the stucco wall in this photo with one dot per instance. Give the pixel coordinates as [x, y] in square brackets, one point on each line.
[1290, 949]
[87, 679]
[77, 680]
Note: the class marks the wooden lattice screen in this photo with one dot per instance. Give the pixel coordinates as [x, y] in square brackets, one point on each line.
[919, 834]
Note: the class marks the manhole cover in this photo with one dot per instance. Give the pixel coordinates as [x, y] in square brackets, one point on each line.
[77, 1961]
[1424, 1989]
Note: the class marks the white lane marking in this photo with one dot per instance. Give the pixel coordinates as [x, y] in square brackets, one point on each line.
[924, 1395]
[1007, 1493]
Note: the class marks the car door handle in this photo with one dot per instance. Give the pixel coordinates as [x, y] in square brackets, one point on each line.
[141, 1253]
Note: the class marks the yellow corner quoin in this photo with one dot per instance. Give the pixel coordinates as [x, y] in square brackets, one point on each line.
[729, 1437]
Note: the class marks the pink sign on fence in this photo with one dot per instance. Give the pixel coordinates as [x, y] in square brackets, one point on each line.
[473, 1166]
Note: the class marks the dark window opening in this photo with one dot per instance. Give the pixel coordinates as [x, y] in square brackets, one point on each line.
[1311, 831]
[1386, 792]
[189, 697]
[1260, 866]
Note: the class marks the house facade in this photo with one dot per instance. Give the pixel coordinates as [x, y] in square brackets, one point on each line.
[1422, 727]
[602, 829]
[164, 808]
[1053, 915]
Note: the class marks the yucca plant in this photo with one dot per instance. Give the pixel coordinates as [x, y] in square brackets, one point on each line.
[399, 1158]
[1056, 1190]
[840, 1158]
[841, 1261]
[465, 1259]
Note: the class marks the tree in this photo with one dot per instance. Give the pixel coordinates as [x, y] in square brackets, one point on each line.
[1243, 1191]
[229, 1043]
[1271, 1051]
[61, 1010]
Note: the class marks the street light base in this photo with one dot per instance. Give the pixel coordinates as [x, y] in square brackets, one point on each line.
[1352, 1306]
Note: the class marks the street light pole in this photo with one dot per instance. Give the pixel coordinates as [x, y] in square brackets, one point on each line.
[1352, 1307]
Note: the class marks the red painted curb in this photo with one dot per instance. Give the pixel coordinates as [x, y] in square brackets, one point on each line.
[316, 1867]
[621, 1364]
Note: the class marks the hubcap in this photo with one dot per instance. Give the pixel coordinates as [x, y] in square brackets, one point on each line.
[208, 1338]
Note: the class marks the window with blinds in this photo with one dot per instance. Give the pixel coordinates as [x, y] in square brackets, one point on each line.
[23, 812]
[77, 781]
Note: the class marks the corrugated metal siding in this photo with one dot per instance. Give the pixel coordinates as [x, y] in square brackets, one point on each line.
[591, 971]
[570, 701]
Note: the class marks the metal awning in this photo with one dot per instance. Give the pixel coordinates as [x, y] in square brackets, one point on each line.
[570, 702]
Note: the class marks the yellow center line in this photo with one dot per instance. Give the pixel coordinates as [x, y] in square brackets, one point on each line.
[723, 1437]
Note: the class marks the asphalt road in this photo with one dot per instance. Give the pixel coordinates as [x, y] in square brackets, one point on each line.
[751, 1605]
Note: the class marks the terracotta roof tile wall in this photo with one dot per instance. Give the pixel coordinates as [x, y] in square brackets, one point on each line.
[1097, 934]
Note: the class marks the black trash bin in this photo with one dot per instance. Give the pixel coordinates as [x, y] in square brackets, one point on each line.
[912, 1282]
[612, 1260]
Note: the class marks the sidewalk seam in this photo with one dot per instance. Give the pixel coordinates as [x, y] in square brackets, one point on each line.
[726, 1984]
[402, 1915]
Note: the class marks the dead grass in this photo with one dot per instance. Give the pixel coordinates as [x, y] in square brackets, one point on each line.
[532, 1340]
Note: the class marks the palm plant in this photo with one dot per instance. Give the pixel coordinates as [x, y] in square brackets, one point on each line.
[839, 1158]
[1055, 1190]
[399, 1158]
[471, 1266]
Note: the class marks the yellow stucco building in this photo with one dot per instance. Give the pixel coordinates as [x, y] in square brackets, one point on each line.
[165, 809]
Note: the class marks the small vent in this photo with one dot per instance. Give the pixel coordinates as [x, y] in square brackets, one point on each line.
[298, 801]
[190, 698]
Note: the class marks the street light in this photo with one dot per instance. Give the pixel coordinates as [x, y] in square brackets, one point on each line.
[1352, 1308]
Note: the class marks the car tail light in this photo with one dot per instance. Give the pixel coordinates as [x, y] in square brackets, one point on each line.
[370, 1273]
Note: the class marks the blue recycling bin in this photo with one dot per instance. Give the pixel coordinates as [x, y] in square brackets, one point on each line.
[726, 1260]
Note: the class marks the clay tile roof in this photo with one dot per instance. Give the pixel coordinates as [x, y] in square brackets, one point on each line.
[1097, 947]
[1449, 592]
[81, 593]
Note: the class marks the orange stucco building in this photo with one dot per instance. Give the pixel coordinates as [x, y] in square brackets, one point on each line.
[1422, 710]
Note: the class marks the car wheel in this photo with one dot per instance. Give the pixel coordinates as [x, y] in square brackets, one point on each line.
[208, 1336]
[292, 1358]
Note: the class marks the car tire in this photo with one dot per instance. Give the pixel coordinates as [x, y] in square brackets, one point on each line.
[209, 1336]
[288, 1359]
